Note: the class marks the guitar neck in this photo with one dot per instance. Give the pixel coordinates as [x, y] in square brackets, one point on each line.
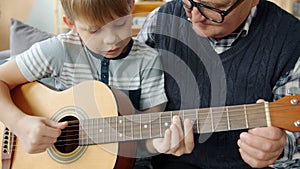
[153, 125]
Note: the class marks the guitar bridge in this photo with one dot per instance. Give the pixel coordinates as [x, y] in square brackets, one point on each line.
[7, 148]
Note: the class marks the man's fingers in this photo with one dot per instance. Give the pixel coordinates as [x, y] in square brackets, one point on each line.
[265, 132]
[189, 135]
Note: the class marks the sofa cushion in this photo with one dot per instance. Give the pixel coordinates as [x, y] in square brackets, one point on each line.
[4, 54]
[23, 36]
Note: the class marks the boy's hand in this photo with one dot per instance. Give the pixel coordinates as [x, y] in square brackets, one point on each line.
[37, 133]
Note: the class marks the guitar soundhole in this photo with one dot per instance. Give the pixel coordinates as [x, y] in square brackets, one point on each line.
[68, 141]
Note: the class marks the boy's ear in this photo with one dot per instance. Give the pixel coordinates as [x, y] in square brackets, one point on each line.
[132, 4]
[70, 23]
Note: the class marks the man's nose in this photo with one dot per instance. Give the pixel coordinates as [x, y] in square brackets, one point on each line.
[197, 15]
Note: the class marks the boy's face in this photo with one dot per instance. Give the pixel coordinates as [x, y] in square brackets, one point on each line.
[108, 40]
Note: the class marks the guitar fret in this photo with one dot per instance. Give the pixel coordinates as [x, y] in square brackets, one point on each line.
[85, 130]
[197, 120]
[193, 116]
[246, 117]
[90, 131]
[128, 127]
[109, 125]
[136, 127]
[124, 134]
[106, 130]
[87, 133]
[160, 132]
[228, 121]
[165, 121]
[131, 127]
[113, 128]
[117, 128]
[141, 136]
[155, 124]
[96, 128]
[150, 126]
[120, 128]
[146, 128]
[212, 120]
[103, 130]
[204, 121]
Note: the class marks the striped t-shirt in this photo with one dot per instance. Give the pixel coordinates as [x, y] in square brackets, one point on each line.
[68, 62]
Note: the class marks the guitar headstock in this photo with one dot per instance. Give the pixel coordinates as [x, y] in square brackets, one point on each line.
[285, 113]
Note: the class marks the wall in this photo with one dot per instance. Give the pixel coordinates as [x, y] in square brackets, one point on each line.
[38, 13]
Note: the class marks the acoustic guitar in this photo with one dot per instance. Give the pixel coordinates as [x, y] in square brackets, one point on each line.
[104, 127]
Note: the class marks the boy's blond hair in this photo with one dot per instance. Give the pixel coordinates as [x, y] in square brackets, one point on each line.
[96, 11]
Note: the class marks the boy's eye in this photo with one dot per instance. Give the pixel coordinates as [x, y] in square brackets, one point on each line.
[92, 30]
[119, 23]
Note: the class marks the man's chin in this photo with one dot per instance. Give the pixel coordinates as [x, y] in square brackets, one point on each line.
[200, 32]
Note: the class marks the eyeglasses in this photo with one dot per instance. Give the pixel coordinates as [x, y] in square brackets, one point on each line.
[210, 13]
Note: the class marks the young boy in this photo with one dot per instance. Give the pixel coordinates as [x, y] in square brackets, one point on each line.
[98, 47]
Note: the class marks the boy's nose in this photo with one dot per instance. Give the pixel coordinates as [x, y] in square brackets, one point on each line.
[110, 37]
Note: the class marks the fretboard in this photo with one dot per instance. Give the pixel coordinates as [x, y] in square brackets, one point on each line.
[153, 125]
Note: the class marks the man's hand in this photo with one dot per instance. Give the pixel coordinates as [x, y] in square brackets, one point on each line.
[261, 147]
[175, 141]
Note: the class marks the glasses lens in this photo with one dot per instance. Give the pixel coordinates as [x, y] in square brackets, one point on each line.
[210, 14]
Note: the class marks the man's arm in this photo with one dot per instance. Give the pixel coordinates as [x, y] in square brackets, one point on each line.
[289, 85]
[146, 33]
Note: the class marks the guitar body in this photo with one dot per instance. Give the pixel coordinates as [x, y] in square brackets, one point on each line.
[87, 100]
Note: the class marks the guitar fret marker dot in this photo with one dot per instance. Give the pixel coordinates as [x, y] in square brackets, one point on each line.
[166, 124]
[100, 130]
[120, 135]
[145, 126]
[120, 121]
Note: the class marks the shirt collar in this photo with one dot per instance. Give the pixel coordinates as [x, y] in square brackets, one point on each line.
[121, 56]
[230, 39]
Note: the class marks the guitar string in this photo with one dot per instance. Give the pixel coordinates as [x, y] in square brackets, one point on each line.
[232, 118]
[187, 115]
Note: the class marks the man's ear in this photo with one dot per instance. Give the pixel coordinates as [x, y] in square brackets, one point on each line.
[255, 2]
[70, 23]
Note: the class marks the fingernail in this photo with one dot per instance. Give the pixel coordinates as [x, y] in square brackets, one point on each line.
[243, 135]
[239, 142]
[175, 118]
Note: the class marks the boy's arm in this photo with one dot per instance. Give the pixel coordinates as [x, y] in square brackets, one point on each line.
[35, 133]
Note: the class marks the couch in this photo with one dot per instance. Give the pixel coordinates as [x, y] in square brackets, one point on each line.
[22, 37]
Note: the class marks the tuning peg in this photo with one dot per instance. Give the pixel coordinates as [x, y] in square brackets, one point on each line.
[297, 123]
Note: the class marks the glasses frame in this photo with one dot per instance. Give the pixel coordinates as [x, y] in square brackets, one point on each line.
[223, 13]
